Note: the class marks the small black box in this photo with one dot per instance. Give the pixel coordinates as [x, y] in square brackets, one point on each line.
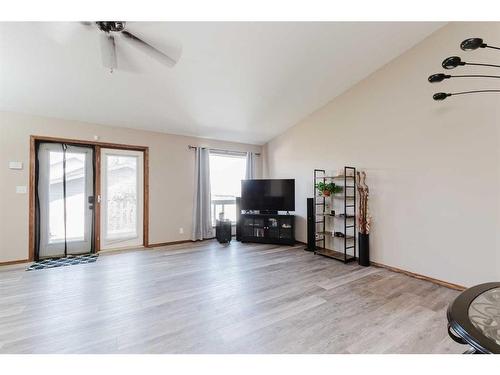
[223, 231]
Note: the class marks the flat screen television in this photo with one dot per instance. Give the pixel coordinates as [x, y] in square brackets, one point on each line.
[268, 195]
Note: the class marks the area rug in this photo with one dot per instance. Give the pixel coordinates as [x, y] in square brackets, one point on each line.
[61, 262]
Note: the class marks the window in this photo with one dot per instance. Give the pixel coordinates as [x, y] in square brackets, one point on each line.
[226, 173]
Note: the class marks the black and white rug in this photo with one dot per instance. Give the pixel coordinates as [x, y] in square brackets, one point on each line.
[60, 262]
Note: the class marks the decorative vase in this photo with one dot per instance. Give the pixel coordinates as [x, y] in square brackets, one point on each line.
[326, 193]
[364, 249]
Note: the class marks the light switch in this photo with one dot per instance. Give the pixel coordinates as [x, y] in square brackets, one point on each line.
[15, 164]
[21, 189]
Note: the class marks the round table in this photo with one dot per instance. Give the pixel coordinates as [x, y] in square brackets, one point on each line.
[474, 318]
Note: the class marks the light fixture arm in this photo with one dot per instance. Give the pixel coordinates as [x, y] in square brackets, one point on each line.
[443, 95]
[480, 64]
[472, 92]
[474, 76]
[440, 77]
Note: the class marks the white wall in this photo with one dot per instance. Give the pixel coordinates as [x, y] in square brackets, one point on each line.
[171, 175]
[433, 167]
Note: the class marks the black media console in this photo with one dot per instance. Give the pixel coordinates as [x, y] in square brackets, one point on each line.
[267, 228]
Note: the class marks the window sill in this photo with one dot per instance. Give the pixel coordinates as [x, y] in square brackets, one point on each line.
[232, 225]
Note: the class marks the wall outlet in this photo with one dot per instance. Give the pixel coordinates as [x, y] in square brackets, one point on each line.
[21, 190]
[181, 230]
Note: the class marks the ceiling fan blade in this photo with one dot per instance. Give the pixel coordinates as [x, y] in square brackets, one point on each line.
[149, 49]
[108, 51]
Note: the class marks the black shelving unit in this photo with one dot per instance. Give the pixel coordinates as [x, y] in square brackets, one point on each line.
[348, 216]
[319, 209]
[268, 228]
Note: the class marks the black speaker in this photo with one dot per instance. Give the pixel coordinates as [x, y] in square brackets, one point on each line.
[223, 231]
[364, 249]
[238, 219]
[311, 226]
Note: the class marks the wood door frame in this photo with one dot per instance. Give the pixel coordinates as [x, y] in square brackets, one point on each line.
[97, 186]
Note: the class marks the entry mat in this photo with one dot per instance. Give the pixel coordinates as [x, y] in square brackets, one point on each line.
[60, 262]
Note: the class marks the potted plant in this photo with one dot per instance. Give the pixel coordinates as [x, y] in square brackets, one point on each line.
[364, 220]
[328, 188]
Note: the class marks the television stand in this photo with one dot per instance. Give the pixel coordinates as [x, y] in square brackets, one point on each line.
[267, 228]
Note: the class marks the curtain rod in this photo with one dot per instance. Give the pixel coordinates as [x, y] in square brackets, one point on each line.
[190, 147]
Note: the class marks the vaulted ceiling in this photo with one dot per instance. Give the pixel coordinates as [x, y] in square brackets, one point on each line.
[245, 82]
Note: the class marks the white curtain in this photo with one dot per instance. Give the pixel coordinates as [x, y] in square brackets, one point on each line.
[250, 168]
[202, 223]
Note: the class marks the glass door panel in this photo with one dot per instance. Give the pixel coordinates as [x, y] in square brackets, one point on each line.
[258, 227]
[64, 187]
[76, 199]
[56, 198]
[272, 228]
[247, 225]
[122, 198]
[286, 228]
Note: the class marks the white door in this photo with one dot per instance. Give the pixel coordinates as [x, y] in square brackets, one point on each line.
[122, 198]
[65, 189]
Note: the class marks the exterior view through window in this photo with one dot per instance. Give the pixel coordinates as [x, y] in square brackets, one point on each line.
[226, 173]
[122, 196]
[75, 200]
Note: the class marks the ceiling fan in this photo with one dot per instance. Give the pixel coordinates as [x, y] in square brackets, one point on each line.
[109, 29]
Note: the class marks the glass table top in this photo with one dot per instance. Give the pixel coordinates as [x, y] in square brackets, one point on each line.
[484, 314]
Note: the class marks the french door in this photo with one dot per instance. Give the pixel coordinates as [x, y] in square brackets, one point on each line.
[122, 198]
[65, 200]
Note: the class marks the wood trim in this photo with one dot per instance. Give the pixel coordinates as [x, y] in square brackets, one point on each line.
[90, 143]
[97, 204]
[421, 277]
[10, 262]
[31, 214]
[160, 244]
[97, 152]
[145, 220]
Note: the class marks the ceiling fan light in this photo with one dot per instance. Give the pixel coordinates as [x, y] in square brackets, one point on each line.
[438, 77]
[452, 62]
[472, 44]
[111, 26]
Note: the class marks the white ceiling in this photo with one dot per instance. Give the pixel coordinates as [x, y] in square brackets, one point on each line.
[244, 82]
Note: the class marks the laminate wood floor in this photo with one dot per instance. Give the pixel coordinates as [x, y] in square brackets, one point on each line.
[210, 298]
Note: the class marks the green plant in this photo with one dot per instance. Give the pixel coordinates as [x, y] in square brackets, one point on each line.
[330, 187]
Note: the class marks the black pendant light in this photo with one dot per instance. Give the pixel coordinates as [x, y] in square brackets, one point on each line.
[472, 44]
[452, 62]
